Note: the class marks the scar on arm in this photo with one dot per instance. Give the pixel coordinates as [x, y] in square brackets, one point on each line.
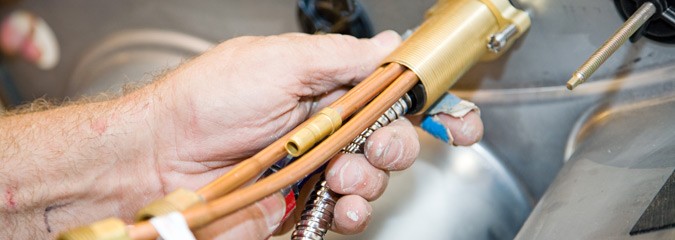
[9, 199]
[45, 215]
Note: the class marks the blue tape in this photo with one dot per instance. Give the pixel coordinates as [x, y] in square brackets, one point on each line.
[432, 124]
[435, 128]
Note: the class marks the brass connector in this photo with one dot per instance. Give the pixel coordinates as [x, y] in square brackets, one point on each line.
[324, 123]
[178, 200]
[108, 229]
[455, 36]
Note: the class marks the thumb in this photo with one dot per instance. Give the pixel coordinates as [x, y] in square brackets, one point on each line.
[453, 120]
[257, 221]
[337, 60]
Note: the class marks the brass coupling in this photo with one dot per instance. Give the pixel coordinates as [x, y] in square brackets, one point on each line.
[178, 200]
[108, 229]
[324, 123]
[455, 36]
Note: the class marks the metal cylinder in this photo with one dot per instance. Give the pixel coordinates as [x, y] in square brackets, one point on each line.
[324, 123]
[453, 38]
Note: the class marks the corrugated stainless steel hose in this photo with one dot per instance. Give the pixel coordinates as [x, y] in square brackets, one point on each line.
[317, 216]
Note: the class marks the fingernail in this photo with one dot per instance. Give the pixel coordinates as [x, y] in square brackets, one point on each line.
[394, 151]
[350, 178]
[469, 130]
[387, 38]
[377, 153]
[433, 125]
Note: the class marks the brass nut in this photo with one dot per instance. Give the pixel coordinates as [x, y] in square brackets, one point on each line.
[324, 123]
[108, 229]
[178, 200]
[452, 39]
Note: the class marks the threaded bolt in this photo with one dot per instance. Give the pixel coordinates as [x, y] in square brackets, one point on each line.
[612, 44]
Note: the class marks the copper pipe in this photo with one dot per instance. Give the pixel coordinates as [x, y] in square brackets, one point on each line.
[358, 96]
[252, 167]
[349, 103]
[323, 124]
[202, 215]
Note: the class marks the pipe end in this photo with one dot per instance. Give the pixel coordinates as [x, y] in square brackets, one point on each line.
[177, 201]
[108, 229]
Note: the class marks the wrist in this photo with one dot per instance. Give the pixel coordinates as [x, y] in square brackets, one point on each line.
[78, 163]
[116, 163]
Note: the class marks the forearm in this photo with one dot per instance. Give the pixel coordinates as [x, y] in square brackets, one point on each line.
[76, 164]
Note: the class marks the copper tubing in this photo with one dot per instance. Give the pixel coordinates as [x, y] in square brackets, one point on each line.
[320, 126]
[202, 215]
[252, 167]
[346, 105]
[358, 96]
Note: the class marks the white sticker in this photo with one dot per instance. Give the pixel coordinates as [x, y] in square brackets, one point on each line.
[172, 227]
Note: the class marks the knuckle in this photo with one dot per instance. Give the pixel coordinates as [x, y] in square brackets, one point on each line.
[340, 40]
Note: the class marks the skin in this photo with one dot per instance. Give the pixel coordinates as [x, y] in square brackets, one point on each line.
[76, 164]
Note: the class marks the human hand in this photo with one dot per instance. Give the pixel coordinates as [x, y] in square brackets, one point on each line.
[247, 92]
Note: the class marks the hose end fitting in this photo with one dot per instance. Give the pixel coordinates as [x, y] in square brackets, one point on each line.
[456, 35]
[178, 200]
[108, 229]
[324, 123]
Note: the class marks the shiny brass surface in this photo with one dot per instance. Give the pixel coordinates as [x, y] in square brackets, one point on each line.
[178, 200]
[453, 38]
[320, 126]
[108, 229]
[612, 44]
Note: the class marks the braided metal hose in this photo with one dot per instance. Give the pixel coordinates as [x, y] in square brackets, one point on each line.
[317, 216]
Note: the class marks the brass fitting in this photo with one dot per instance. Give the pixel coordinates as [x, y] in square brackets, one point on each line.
[456, 35]
[108, 229]
[324, 123]
[178, 200]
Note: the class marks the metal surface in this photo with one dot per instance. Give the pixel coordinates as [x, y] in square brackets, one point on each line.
[622, 155]
[660, 214]
[635, 22]
[131, 56]
[449, 193]
[528, 112]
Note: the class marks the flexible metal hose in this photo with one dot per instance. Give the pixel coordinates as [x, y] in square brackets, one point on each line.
[317, 216]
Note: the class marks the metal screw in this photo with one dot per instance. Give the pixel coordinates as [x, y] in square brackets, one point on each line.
[499, 40]
[612, 44]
